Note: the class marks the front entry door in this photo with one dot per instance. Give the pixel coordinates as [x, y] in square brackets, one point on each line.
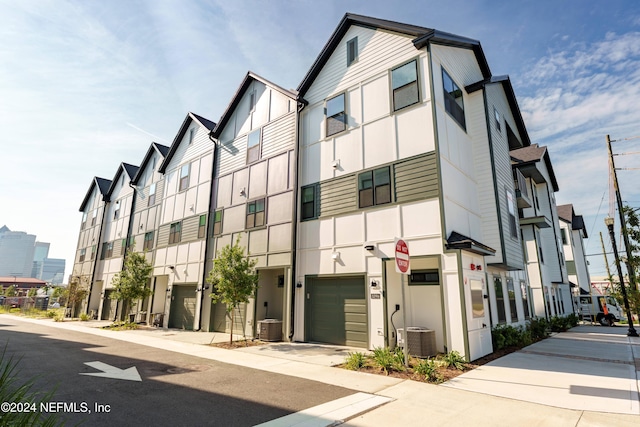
[478, 319]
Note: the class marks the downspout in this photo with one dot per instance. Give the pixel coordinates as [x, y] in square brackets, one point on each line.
[207, 238]
[95, 261]
[301, 103]
[130, 225]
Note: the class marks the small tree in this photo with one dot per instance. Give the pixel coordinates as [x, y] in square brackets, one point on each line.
[32, 292]
[131, 283]
[10, 291]
[233, 279]
[74, 294]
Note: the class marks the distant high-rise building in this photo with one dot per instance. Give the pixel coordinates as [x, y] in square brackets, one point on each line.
[41, 252]
[53, 270]
[16, 253]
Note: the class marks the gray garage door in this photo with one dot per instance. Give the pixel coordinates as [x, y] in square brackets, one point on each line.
[337, 311]
[183, 307]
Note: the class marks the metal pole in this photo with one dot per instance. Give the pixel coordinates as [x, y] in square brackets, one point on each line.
[404, 323]
[623, 222]
[631, 332]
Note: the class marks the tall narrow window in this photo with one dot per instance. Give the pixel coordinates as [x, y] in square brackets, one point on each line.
[563, 233]
[336, 115]
[497, 284]
[352, 51]
[512, 299]
[453, 99]
[109, 251]
[152, 194]
[175, 232]
[374, 187]
[116, 210]
[192, 134]
[83, 254]
[148, 241]
[103, 254]
[308, 202]
[94, 216]
[255, 214]
[253, 146]
[202, 226]
[525, 299]
[404, 83]
[496, 114]
[93, 252]
[217, 222]
[252, 100]
[511, 210]
[84, 220]
[184, 176]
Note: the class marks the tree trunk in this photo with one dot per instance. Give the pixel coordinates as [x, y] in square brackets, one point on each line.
[230, 314]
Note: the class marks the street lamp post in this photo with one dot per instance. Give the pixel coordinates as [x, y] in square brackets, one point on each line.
[609, 222]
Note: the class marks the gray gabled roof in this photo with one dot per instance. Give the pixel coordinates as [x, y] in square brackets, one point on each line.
[527, 156]
[511, 99]
[103, 188]
[422, 37]
[130, 170]
[567, 214]
[246, 82]
[154, 147]
[207, 124]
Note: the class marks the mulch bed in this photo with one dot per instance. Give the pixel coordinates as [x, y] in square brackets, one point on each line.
[238, 344]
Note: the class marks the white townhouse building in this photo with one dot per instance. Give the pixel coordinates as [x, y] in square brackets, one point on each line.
[149, 185]
[254, 199]
[114, 242]
[573, 232]
[399, 138]
[546, 268]
[93, 210]
[180, 246]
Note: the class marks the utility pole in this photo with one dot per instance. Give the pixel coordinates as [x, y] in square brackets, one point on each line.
[606, 262]
[623, 223]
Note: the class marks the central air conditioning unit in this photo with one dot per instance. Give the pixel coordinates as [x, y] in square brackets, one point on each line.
[421, 342]
[270, 330]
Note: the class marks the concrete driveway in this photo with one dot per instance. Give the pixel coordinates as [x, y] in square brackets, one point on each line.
[591, 368]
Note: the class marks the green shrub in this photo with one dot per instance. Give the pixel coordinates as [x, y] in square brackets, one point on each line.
[355, 361]
[539, 328]
[573, 319]
[84, 317]
[386, 360]
[455, 360]
[51, 313]
[561, 324]
[429, 369]
[121, 326]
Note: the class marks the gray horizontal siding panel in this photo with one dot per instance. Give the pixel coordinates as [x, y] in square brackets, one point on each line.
[338, 196]
[416, 179]
[190, 229]
[163, 235]
[279, 135]
[232, 155]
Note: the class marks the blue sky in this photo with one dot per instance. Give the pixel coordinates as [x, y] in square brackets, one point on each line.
[87, 85]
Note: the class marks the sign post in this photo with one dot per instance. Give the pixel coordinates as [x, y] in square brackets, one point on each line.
[403, 266]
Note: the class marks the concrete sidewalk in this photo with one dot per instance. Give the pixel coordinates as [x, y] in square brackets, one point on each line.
[585, 377]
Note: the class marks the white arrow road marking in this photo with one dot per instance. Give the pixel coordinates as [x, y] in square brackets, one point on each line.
[109, 371]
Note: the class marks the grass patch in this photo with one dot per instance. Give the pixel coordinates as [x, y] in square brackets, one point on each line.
[121, 326]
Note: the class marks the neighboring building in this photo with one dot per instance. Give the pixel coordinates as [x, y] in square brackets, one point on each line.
[179, 262]
[93, 210]
[41, 252]
[548, 279]
[16, 252]
[573, 232]
[53, 270]
[22, 285]
[254, 199]
[394, 142]
[114, 241]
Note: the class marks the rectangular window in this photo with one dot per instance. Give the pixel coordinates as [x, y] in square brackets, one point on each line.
[525, 299]
[109, 251]
[253, 146]
[563, 233]
[175, 232]
[453, 99]
[152, 194]
[352, 51]
[192, 134]
[84, 220]
[93, 217]
[202, 227]
[308, 202]
[404, 84]
[497, 117]
[93, 252]
[477, 298]
[336, 115]
[512, 299]
[539, 243]
[83, 254]
[103, 254]
[511, 209]
[255, 214]
[116, 210]
[424, 277]
[497, 284]
[148, 241]
[217, 222]
[374, 187]
[124, 245]
[252, 100]
[184, 176]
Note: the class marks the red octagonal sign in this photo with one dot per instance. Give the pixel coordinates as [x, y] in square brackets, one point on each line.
[402, 257]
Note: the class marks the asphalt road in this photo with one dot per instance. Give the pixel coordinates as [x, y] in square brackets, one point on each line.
[175, 389]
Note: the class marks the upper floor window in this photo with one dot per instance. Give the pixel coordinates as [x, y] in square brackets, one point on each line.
[184, 176]
[253, 146]
[404, 84]
[83, 253]
[84, 220]
[94, 215]
[453, 99]
[217, 222]
[352, 51]
[192, 134]
[109, 250]
[374, 187]
[175, 232]
[496, 115]
[202, 226]
[252, 100]
[152, 194]
[93, 252]
[148, 241]
[308, 202]
[116, 210]
[255, 214]
[511, 210]
[563, 233]
[336, 115]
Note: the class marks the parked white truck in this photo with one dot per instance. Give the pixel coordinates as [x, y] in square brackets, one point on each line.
[600, 308]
